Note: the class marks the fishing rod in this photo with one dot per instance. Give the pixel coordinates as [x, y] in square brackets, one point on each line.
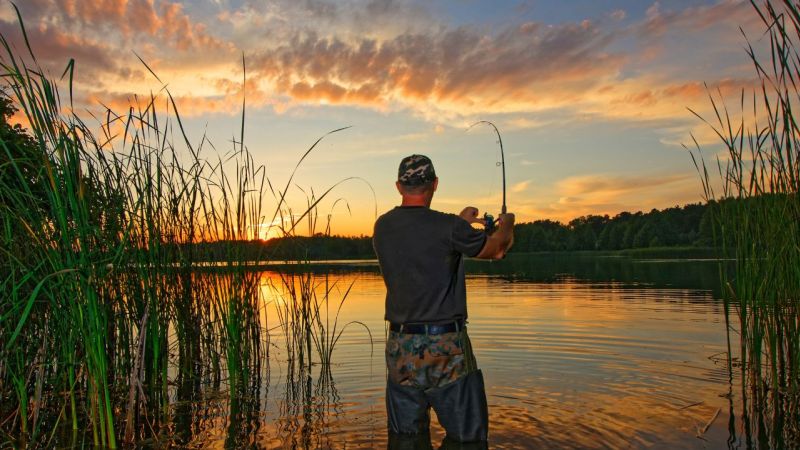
[489, 220]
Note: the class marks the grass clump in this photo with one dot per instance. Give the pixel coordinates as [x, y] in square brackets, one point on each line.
[106, 323]
[757, 218]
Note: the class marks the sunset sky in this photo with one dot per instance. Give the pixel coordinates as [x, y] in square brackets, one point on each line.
[590, 96]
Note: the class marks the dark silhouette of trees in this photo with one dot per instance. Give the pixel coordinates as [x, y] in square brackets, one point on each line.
[21, 161]
[686, 226]
[689, 225]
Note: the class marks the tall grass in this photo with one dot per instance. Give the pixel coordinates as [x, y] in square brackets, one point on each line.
[105, 322]
[757, 213]
[310, 328]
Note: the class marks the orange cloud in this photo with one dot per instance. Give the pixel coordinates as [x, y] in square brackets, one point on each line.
[445, 75]
[522, 186]
[663, 106]
[54, 47]
[611, 194]
[529, 68]
[604, 187]
[460, 69]
[176, 26]
[188, 105]
[102, 19]
[602, 194]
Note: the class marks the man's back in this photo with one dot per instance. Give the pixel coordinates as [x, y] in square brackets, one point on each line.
[429, 358]
[420, 252]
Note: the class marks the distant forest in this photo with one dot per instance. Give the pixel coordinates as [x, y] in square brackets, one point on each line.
[687, 226]
[295, 248]
[690, 225]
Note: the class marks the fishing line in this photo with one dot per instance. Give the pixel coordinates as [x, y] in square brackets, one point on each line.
[488, 218]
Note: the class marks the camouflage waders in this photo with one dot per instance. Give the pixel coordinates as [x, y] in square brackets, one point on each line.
[436, 371]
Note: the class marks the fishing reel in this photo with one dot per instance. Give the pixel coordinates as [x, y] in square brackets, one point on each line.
[489, 224]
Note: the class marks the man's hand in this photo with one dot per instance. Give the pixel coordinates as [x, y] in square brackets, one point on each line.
[470, 214]
[501, 240]
[507, 218]
[506, 222]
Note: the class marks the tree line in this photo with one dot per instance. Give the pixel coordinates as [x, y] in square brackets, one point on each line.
[686, 226]
[290, 248]
[679, 226]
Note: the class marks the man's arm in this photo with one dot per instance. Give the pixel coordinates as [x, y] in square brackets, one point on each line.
[500, 242]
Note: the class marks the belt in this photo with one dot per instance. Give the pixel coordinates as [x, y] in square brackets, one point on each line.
[423, 328]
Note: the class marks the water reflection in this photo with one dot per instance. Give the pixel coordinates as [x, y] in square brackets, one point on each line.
[307, 409]
[422, 441]
[555, 268]
[576, 356]
[244, 422]
[592, 353]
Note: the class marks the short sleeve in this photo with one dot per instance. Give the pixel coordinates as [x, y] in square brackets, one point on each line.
[465, 239]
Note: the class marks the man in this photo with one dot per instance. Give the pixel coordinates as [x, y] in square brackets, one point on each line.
[428, 353]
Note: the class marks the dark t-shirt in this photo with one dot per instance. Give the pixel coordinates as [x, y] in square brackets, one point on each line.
[420, 252]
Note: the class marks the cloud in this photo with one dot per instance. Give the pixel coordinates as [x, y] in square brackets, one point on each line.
[528, 67]
[165, 21]
[384, 55]
[695, 18]
[525, 123]
[618, 14]
[102, 36]
[522, 186]
[227, 101]
[53, 47]
[458, 73]
[610, 194]
[188, 106]
[604, 186]
[254, 23]
[649, 98]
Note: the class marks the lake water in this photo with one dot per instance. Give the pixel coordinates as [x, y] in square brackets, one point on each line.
[577, 352]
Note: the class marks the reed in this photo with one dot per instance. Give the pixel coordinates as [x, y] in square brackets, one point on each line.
[757, 213]
[310, 329]
[105, 321]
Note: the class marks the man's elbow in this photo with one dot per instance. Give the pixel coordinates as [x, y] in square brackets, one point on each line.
[497, 256]
[492, 251]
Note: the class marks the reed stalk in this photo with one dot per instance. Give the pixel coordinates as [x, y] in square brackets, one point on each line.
[105, 319]
[757, 214]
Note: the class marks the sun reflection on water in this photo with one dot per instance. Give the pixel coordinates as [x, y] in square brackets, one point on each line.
[569, 363]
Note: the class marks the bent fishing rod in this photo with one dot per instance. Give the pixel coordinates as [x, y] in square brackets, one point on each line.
[489, 220]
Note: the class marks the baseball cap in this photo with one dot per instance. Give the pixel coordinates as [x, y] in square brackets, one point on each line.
[415, 170]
